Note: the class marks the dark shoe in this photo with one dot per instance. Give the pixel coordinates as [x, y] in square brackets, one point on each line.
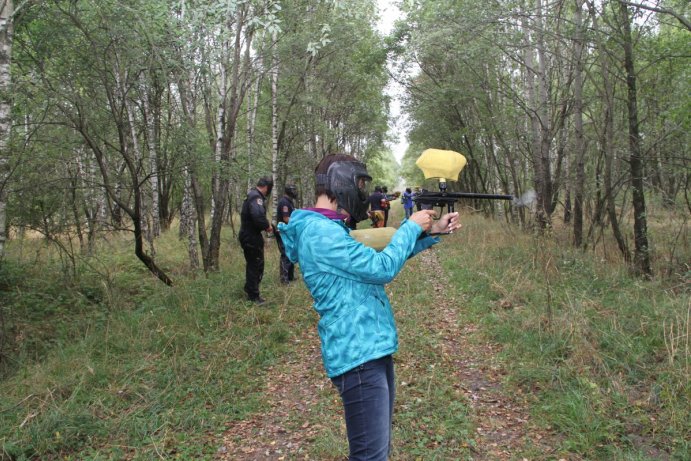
[258, 301]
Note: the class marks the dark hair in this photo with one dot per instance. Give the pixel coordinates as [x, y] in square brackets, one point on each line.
[377, 189]
[323, 168]
[407, 189]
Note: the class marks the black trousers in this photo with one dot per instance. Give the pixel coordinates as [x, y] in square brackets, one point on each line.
[286, 269]
[254, 268]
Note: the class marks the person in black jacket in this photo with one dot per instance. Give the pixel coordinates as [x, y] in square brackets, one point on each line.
[252, 222]
[283, 211]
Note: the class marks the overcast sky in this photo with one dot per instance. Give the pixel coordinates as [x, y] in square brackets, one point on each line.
[389, 13]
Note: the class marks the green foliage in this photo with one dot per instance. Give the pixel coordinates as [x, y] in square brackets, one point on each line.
[410, 172]
[384, 170]
[469, 91]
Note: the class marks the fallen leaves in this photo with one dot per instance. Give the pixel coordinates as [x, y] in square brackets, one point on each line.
[294, 391]
[501, 418]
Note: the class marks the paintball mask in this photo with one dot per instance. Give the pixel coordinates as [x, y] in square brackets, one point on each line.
[349, 181]
[291, 191]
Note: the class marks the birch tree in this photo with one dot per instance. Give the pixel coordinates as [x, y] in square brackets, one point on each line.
[6, 13]
[234, 73]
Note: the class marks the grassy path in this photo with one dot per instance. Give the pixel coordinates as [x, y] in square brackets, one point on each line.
[304, 416]
[501, 419]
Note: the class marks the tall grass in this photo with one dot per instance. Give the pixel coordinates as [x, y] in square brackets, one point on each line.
[133, 368]
[111, 364]
[606, 355]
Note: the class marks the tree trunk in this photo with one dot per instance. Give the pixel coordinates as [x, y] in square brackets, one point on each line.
[6, 10]
[142, 207]
[193, 209]
[606, 142]
[252, 118]
[545, 203]
[640, 226]
[188, 221]
[218, 148]
[536, 131]
[274, 123]
[152, 135]
[579, 147]
[236, 93]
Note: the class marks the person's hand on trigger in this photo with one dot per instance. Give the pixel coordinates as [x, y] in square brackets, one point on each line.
[424, 218]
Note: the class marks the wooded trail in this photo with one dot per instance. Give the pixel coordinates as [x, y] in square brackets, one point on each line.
[298, 393]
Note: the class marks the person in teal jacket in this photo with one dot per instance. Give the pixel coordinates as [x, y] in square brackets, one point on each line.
[346, 280]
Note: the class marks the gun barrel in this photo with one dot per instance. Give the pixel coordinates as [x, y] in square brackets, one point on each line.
[475, 195]
[428, 197]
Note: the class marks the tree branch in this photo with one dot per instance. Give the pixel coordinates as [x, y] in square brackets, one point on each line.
[673, 13]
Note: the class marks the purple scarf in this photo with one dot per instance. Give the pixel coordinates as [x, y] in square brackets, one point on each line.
[331, 214]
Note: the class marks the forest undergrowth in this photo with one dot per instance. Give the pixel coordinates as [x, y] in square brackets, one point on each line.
[101, 361]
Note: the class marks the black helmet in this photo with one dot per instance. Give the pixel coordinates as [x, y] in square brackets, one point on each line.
[267, 182]
[348, 180]
[291, 190]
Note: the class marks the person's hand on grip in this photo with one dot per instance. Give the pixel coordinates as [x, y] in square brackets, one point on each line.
[446, 224]
[424, 218]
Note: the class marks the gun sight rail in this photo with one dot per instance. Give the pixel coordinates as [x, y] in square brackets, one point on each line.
[448, 199]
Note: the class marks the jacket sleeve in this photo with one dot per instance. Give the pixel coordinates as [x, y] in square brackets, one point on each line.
[258, 213]
[339, 254]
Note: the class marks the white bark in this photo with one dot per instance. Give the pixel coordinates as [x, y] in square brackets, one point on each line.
[153, 164]
[6, 9]
[252, 120]
[188, 221]
[188, 212]
[220, 128]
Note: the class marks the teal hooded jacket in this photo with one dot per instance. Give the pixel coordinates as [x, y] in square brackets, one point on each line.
[346, 280]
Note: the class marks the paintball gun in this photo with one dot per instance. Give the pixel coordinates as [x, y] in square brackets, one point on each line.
[435, 164]
[443, 165]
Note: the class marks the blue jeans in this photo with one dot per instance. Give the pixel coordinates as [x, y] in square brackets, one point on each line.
[408, 212]
[368, 393]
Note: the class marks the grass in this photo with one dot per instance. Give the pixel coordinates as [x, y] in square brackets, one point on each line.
[138, 370]
[111, 364]
[606, 355]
